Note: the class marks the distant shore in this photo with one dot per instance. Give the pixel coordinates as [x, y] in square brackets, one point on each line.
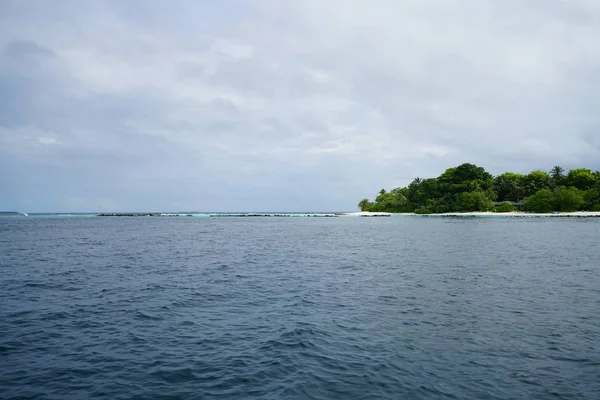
[474, 214]
[221, 215]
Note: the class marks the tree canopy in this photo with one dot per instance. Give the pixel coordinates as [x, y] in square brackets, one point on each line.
[468, 187]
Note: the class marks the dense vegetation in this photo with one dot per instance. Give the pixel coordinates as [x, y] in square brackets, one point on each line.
[470, 188]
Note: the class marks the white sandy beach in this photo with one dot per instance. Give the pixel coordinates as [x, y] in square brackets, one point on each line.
[484, 214]
[526, 214]
[371, 214]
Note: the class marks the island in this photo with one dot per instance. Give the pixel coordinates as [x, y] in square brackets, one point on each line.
[470, 188]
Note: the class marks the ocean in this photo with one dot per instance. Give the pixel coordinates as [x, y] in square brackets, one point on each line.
[404, 307]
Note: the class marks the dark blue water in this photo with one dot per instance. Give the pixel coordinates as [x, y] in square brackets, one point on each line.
[340, 308]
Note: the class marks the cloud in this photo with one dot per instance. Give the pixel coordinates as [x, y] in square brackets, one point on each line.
[47, 140]
[268, 105]
[19, 49]
[90, 204]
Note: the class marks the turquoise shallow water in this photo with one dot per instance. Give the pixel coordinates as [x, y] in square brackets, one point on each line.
[299, 308]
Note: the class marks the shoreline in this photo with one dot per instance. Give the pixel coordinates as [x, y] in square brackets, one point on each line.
[575, 214]
[221, 215]
[473, 214]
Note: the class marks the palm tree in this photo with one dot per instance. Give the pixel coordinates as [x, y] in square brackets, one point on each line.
[364, 204]
[557, 173]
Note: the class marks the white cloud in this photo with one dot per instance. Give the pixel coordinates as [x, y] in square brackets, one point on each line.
[47, 140]
[232, 49]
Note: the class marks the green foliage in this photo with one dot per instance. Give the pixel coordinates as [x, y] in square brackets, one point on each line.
[541, 202]
[592, 196]
[561, 199]
[468, 187]
[464, 178]
[504, 207]
[568, 199]
[509, 186]
[393, 201]
[364, 205]
[581, 178]
[465, 173]
[474, 201]
[557, 173]
[437, 206]
[420, 190]
[536, 181]
[595, 207]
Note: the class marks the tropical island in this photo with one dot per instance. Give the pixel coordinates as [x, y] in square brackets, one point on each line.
[469, 188]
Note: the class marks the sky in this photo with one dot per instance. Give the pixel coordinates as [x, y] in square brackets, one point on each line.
[285, 105]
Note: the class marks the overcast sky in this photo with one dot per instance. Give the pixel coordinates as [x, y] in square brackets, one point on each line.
[285, 105]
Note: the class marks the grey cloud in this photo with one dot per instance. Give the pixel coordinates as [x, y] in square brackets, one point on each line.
[266, 79]
[27, 77]
[265, 105]
[25, 48]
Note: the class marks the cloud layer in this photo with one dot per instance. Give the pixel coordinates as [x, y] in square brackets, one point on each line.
[269, 105]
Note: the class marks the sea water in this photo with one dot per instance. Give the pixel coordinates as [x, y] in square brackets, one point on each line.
[299, 308]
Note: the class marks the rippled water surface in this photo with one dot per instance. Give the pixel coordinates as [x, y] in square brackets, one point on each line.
[303, 308]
